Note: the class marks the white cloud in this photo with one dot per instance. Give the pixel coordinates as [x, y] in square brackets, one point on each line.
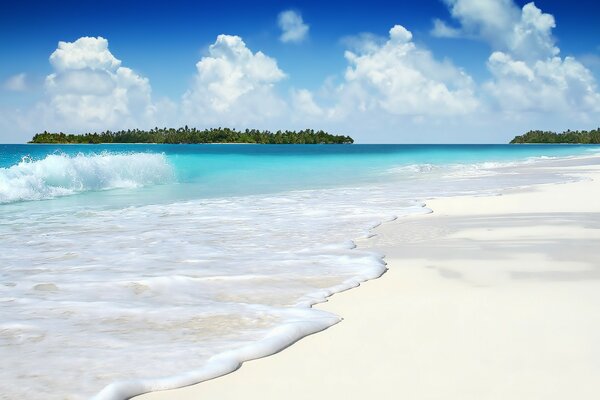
[89, 89]
[525, 32]
[233, 85]
[293, 28]
[484, 18]
[16, 83]
[528, 74]
[84, 53]
[364, 42]
[532, 36]
[401, 78]
[443, 30]
[546, 86]
[304, 105]
[391, 85]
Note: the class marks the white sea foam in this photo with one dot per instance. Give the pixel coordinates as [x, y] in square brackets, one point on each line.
[461, 170]
[429, 171]
[121, 298]
[115, 302]
[61, 174]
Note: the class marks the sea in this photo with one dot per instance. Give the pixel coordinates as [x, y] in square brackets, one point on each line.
[130, 268]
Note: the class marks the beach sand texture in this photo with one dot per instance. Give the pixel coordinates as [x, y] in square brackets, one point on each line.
[486, 298]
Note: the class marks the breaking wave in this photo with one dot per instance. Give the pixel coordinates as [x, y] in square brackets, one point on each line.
[62, 174]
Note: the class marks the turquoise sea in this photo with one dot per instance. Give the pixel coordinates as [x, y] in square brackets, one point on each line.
[125, 268]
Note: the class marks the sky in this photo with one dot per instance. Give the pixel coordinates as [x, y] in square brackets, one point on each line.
[428, 71]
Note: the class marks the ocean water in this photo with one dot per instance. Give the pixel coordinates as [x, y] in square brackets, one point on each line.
[128, 268]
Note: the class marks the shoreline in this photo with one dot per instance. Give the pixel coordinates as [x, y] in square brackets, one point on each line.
[357, 341]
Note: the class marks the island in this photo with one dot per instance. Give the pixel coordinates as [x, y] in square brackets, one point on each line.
[568, 136]
[188, 135]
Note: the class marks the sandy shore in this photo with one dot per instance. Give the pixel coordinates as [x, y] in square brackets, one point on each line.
[487, 298]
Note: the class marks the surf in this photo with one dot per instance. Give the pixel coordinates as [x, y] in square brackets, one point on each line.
[62, 174]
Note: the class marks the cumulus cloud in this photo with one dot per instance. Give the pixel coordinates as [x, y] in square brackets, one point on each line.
[84, 53]
[303, 103]
[552, 85]
[89, 89]
[532, 36]
[528, 74]
[233, 85]
[401, 78]
[16, 83]
[293, 28]
[525, 32]
[390, 84]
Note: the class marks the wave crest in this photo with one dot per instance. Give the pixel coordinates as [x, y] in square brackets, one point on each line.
[62, 174]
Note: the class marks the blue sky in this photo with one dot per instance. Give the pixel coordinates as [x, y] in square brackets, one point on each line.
[162, 42]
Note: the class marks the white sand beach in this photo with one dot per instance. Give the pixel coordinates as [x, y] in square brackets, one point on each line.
[486, 298]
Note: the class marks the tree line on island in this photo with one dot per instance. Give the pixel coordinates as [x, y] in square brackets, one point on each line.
[568, 136]
[192, 136]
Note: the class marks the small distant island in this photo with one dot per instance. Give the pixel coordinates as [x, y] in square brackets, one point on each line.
[568, 136]
[188, 135]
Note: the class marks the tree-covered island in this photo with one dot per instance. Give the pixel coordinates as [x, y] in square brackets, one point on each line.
[192, 135]
[568, 136]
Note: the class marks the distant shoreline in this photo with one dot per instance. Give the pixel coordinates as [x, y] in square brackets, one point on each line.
[154, 143]
[135, 143]
[188, 135]
[566, 137]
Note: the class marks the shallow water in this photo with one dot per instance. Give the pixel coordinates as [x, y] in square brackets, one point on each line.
[126, 267]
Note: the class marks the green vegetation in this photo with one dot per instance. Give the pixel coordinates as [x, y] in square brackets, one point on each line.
[193, 135]
[569, 136]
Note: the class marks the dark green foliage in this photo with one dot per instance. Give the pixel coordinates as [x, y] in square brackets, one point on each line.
[569, 136]
[193, 135]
